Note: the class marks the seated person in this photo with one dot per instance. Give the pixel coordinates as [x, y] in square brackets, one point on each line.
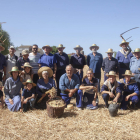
[28, 96]
[1, 95]
[90, 85]
[130, 90]
[69, 84]
[44, 84]
[12, 90]
[111, 90]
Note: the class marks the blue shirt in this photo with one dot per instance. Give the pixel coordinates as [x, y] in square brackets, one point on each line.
[47, 60]
[2, 61]
[78, 61]
[28, 93]
[110, 65]
[62, 60]
[42, 86]
[65, 83]
[95, 62]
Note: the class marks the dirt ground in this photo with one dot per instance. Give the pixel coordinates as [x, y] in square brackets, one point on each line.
[74, 125]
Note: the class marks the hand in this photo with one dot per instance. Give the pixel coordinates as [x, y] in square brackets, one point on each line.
[111, 95]
[127, 98]
[70, 94]
[115, 100]
[25, 101]
[94, 103]
[72, 91]
[11, 101]
[21, 110]
[4, 77]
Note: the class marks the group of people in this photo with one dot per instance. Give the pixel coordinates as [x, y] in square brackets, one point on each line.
[35, 74]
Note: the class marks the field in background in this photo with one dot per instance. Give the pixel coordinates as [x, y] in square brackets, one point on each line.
[83, 125]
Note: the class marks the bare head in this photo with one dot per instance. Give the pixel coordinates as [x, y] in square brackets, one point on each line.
[34, 48]
[90, 74]
[69, 70]
[45, 74]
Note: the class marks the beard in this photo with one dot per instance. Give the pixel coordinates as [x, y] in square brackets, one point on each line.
[94, 51]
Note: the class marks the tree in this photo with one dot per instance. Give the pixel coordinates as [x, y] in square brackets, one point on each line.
[54, 50]
[7, 42]
[115, 54]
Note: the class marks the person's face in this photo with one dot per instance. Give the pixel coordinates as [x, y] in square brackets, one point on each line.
[29, 86]
[89, 75]
[47, 50]
[45, 75]
[60, 50]
[27, 69]
[11, 51]
[94, 49]
[112, 78]
[110, 55]
[25, 57]
[127, 78]
[15, 74]
[69, 71]
[78, 51]
[124, 46]
[137, 55]
[34, 49]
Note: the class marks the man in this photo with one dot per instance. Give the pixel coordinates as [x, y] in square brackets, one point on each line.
[123, 56]
[69, 84]
[34, 56]
[94, 61]
[78, 61]
[111, 90]
[62, 61]
[109, 64]
[21, 61]
[11, 60]
[2, 64]
[48, 59]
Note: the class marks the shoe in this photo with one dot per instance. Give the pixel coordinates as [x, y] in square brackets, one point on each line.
[79, 108]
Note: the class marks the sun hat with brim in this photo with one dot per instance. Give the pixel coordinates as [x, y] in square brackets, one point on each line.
[2, 47]
[25, 52]
[49, 70]
[110, 51]
[12, 47]
[78, 47]
[60, 46]
[47, 46]
[14, 69]
[136, 50]
[111, 73]
[1, 85]
[27, 64]
[128, 73]
[93, 46]
[29, 81]
[124, 42]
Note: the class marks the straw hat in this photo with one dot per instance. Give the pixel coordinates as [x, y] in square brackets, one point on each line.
[124, 42]
[47, 46]
[1, 85]
[29, 81]
[111, 73]
[2, 47]
[12, 47]
[14, 69]
[136, 50]
[60, 46]
[78, 47]
[26, 64]
[93, 46]
[48, 69]
[110, 51]
[25, 52]
[128, 73]
[70, 107]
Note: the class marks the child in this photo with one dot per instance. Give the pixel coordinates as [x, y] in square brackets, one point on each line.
[28, 96]
[1, 95]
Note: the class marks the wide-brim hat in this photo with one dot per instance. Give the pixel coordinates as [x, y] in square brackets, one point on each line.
[110, 51]
[25, 52]
[12, 47]
[29, 81]
[60, 46]
[48, 69]
[136, 50]
[111, 73]
[78, 47]
[14, 69]
[26, 64]
[128, 73]
[93, 46]
[124, 42]
[47, 46]
[2, 47]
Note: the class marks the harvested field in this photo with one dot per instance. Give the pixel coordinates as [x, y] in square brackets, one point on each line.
[83, 125]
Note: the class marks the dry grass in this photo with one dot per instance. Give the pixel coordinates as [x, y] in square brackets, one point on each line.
[84, 125]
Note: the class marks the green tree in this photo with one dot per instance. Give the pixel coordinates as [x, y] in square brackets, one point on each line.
[54, 50]
[6, 43]
[115, 54]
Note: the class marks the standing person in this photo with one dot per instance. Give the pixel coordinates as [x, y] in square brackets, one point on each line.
[21, 61]
[109, 64]
[2, 64]
[48, 59]
[78, 61]
[123, 56]
[62, 61]
[94, 61]
[34, 56]
[11, 60]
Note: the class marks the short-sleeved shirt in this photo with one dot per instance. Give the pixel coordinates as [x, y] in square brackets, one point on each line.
[47, 60]
[21, 62]
[28, 93]
[78, 61]
[2, 61]
[1, 94]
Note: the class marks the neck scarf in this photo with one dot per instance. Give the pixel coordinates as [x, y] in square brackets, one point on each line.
[125, 53]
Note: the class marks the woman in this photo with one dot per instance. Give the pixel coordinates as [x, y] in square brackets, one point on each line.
[44, 84]
[90, 85]
[130, 90]
[12, 90]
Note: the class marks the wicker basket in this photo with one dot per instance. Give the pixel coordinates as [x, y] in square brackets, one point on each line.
[55, 112]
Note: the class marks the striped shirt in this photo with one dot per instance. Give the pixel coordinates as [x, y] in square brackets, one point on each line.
[34, 61]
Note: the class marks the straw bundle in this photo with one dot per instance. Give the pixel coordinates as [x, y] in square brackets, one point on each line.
[56, 103]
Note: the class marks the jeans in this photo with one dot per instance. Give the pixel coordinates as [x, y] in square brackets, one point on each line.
[30, 104]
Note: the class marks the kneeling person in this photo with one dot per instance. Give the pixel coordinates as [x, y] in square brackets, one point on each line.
[111, 89]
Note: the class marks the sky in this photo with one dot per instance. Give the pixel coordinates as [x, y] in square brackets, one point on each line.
[71, 23]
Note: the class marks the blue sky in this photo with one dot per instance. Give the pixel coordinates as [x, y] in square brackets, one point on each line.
[71, 22]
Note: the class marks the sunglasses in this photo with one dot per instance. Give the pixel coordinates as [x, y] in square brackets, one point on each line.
[35, 48]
